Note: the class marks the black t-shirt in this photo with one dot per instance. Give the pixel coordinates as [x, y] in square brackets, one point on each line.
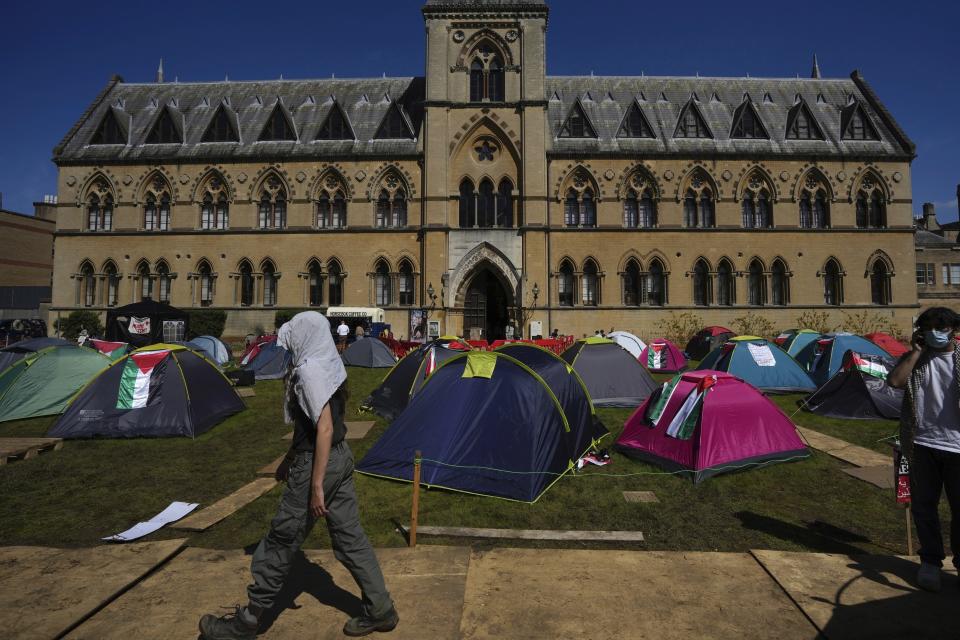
[305, 430]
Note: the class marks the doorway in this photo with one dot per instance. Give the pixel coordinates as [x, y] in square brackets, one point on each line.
[486, 307]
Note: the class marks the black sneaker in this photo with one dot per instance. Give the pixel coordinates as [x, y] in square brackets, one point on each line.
[363, 625]
[228, 627]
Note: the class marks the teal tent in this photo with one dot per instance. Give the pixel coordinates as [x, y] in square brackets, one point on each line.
[794, 340]
[759, 362]
[42, 383]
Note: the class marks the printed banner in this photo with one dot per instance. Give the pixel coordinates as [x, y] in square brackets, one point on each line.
[901, 476]
[139, 326]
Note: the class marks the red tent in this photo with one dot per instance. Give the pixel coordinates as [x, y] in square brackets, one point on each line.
[709, 422]
[888, 343]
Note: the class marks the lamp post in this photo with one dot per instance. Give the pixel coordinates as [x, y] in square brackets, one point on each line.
[427, 312]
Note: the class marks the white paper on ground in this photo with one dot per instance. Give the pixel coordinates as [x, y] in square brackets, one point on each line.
[174, 512]
[762, 355]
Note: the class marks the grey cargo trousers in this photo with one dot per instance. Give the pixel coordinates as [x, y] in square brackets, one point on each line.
[293, 522]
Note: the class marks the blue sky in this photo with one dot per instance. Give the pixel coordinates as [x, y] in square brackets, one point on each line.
[56, 56]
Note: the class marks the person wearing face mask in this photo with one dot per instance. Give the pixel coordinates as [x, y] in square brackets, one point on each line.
[930, 434]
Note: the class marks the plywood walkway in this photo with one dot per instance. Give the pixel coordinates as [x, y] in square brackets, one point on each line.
[843, 450]
[206, 518]
[26, 448]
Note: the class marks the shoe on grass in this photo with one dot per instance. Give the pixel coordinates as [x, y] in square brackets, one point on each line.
[928, 577]
[364, 625]
[233, 626]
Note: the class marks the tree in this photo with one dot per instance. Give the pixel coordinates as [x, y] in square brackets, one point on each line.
[71, 326]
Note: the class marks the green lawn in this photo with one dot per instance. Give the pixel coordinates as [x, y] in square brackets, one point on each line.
[91, 489]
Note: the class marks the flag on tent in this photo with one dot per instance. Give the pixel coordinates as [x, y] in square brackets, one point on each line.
[113, 350]
[135, 379]
[685, 420]
[869, 366]
[655, 355]
[666, 392]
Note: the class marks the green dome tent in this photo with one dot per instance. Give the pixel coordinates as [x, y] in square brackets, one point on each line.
[41, 383]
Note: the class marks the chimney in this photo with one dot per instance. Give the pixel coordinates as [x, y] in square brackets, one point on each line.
[815, 72]
[160, 71]
[930, 217]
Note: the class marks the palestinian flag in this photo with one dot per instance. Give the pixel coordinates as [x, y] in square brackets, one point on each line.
[869, 366]
[113, 350]
[655, 410]
[135, 379]
[687, 416]
[656, 355]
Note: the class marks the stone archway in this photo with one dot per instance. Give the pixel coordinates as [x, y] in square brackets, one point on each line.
[486, 306]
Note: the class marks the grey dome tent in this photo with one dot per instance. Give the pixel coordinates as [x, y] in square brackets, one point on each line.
[859, 391]
[20, 350]
[159, 391]
[613, 377]
[213, 348]
[370, 353]
[270, 363]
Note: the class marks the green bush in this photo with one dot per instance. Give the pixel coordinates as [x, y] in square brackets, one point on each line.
[754, 324]
[678, 328]
[284, 315]
[206, 322]
[71, 326]
[818, 321]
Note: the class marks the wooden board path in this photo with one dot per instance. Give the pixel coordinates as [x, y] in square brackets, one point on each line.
[271, 469]
[26, 448]
[843, 450]
[531, 534]
[206, 518]
[355, 430]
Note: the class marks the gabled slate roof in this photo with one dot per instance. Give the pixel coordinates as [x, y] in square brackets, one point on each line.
[924, 238]
[661, 100]
[308, 102]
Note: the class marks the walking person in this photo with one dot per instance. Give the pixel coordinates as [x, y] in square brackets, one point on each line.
[343, 332]
[930, 434]
[319, 474]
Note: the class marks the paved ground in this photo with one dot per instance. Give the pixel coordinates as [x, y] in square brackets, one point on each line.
[459, 593]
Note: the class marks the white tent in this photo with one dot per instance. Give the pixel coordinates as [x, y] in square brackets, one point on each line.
[628, 341]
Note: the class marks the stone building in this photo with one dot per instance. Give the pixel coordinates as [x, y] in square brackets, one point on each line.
[26, 261]
[490, 193]
[938, 260]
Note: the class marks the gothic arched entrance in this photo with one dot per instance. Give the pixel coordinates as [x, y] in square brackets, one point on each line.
[486, 307]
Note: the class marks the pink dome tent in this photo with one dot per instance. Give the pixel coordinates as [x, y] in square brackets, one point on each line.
[706, 423]
[662, 356]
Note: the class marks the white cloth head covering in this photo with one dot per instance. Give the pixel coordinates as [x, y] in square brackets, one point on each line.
[317, 370]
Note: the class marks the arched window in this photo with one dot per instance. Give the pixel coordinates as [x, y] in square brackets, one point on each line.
[315, 282]
[88, 285]
[698, 205]
[323, 211]
[163, 281]
[331, 205]
[690, 217]
[100, 212]
[146, 281]
[399, 209]
[756, 285]
[485, 204]
[335, 283]
[156, 210]
[571, 209]
[832, 283]
[632, 285]
[814, 208]
[383, 294]
[495, 81]
[383, 209]
[487, 77]
[246, 284]
[871, 205]
[214, 210]
[269, 284]
[164, 213]
[476, 81]
[647, 211]
[338, 217]
[405, 283]
[505, 204]
[273, 206]
[821, 211]
[702, 289]
[150, 213]
[390, 209]
[205, 275]
[880, 283]
[779, 284]
[588, 209]
[565, 286]
[113, 284]
[707, 218]
[726, 293]
[630, 210]
[590, 291]
[468, 205]
[656, 284]
[756, 207]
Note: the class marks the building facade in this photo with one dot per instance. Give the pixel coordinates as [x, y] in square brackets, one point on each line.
[489, 193]
[26, 261]
[938, 260]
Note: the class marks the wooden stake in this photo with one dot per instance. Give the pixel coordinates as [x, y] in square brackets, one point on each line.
[909, 532]
[415, 508]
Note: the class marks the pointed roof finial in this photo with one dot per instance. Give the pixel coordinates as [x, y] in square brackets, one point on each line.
[815, 72]
[160, 71]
